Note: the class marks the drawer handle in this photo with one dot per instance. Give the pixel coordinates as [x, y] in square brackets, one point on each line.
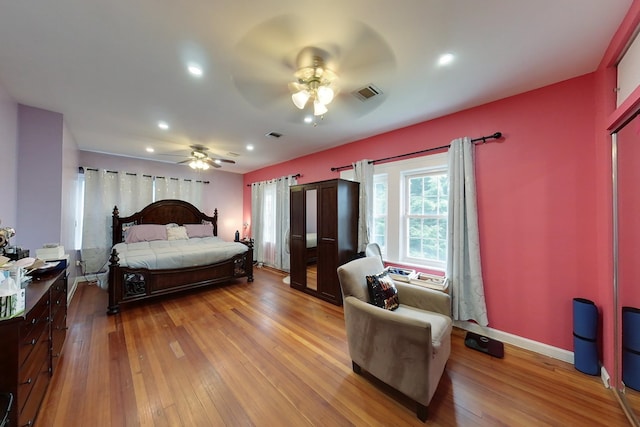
[34, 320]
[27, 382]
[32, 342]
[29, 424]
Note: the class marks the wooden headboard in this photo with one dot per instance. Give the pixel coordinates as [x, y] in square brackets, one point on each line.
[163, 212]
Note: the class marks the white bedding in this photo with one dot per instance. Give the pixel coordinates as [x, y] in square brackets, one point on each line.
[164, 254]
[312, 240]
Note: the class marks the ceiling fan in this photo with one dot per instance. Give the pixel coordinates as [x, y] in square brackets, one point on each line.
[296, 67]
[200, 160]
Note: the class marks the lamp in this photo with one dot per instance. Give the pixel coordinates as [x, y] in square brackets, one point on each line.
[198, 161]
[314, 83]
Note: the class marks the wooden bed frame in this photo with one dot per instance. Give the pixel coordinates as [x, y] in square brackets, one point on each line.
[137, 284]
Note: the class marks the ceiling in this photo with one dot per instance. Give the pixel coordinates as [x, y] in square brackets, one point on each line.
[115, 68]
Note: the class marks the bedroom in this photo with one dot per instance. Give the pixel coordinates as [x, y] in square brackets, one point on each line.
[544, 192]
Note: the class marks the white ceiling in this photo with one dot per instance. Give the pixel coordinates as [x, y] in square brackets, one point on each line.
[115, 68]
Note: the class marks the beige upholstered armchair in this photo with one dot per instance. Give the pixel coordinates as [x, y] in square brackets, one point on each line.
[406, 348]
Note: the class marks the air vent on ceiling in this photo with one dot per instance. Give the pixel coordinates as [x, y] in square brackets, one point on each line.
[367, 92]
[274, 134]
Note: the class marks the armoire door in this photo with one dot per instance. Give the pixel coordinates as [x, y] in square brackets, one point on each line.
[328, 284]
[297, 236]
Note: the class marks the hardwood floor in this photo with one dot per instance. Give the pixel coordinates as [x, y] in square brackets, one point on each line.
[262, 354]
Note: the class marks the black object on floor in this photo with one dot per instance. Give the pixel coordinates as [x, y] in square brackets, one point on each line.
[484, 344]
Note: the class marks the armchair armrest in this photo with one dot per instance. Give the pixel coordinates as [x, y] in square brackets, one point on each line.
[424, 298]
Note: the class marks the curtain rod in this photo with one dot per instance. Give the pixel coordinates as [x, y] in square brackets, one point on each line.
[81, 170]
[286, 177]
[484, 139]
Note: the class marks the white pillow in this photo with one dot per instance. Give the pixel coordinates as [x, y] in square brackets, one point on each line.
[177, 233]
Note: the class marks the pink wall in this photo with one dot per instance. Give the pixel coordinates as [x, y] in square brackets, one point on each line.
[224, 191]
[535, 199]
[9, 169]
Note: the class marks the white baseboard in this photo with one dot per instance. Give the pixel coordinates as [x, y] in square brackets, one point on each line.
[604, 376]
[527, 344]
[71, 292]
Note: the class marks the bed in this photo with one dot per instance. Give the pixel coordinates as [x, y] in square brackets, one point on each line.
[144, 267]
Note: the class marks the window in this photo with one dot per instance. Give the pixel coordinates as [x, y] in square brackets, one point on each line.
[425, 217]
[410, 210]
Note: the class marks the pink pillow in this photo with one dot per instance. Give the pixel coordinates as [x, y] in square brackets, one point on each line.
[199, 230]
[145, 233]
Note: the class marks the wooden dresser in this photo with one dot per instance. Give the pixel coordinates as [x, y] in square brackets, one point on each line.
[31, 345]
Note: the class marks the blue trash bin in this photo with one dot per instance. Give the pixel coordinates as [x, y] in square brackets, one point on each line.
[585, 336]
[631, 347]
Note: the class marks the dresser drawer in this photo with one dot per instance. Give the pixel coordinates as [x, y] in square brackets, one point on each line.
[36, 363]
[58, 301]
[34, 399]
[37, 329]
[38, 315]
[58, 335]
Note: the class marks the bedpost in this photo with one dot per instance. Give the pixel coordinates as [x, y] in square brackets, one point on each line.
[115, 283]
[248, 263]
[215, 222]
[115, 229]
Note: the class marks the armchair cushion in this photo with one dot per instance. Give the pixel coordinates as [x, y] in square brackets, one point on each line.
[382, 291]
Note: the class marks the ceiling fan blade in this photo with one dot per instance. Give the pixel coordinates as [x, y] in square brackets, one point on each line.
[364, 58]
[223, 160]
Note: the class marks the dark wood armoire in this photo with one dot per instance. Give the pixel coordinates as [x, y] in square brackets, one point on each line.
[323, 235]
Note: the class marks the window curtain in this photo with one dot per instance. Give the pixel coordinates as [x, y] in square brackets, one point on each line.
[102, 191]
[270, 221]
[363, 173]
[463, 241]
[181, 189]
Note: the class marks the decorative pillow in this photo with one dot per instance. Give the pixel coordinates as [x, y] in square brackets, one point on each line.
[145, 233]
[382, 291]
[199, 230]
[177, 233]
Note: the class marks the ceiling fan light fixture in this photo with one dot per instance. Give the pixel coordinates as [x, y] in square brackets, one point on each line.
[313, 83]
[300, 98]
[319, 108]
[325, 94]
[198, 164]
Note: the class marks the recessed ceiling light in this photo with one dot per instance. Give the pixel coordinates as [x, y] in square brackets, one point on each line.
[446, 59]
[250, 147]
[150, 150]
[195, 70]
[163, 125]
[308, 119]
